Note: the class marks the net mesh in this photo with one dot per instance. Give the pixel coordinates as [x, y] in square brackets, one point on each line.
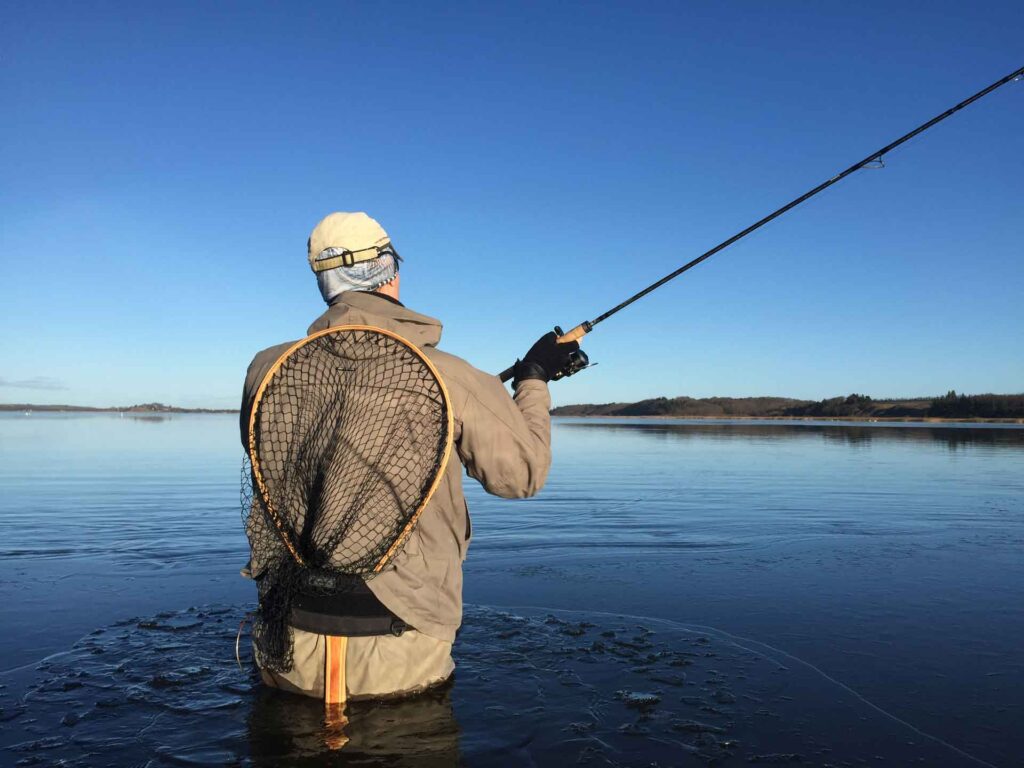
[351, 430]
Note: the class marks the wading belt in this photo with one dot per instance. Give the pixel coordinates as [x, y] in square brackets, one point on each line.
[353, 613]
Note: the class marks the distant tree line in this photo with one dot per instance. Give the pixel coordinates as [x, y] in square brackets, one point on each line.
[951, 406]
[851, 405]
[954, 406]
[686, 406]
[140, 408]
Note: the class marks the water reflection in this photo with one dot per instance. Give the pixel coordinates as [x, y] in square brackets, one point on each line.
[285, 728]
[152, 418]
[853, 434]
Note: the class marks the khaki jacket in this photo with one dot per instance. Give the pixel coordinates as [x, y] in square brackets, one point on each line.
[503, 442]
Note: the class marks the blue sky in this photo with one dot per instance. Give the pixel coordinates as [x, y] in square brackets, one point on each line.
[535, 163]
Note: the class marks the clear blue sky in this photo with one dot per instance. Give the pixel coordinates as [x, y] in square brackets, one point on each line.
[160, 170]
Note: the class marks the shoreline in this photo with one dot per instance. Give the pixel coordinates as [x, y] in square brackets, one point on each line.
[26, 408]
[842, 419]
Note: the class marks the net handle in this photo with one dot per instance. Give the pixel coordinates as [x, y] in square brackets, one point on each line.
[254, 459]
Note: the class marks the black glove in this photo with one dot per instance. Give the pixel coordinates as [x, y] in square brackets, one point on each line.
[545, 359]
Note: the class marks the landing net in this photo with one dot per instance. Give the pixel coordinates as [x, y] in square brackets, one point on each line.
[349, 435]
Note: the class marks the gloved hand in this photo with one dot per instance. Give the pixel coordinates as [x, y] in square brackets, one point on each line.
[545, 359]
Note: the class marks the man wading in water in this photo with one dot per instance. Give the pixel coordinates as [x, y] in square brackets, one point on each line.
[401, 623]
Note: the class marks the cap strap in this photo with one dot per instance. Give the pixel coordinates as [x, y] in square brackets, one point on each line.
[346, 258]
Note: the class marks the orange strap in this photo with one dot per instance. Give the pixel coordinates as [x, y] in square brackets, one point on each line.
[334, 670]
[335, 721]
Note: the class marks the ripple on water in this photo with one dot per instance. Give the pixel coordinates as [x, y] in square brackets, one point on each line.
[532, 687]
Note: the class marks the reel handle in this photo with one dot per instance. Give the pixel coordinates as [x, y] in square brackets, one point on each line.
[578, 360]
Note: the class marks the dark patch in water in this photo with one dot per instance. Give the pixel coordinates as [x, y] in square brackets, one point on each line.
[532, 687]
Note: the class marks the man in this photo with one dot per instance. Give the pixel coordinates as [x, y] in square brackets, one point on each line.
[414, 606]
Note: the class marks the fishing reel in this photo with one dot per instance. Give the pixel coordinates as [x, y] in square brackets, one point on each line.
[577, 361]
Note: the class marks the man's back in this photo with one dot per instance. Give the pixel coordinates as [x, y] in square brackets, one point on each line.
[503, 443]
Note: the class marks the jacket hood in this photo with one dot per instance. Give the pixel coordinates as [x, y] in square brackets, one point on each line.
[360, 308]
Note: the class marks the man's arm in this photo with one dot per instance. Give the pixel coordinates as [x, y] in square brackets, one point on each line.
[506, 441]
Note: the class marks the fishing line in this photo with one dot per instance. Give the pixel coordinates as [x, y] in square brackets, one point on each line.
[735, 641]
[874, 160]
[856, 694]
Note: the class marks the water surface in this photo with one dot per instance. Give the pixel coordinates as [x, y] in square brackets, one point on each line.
[856, 589]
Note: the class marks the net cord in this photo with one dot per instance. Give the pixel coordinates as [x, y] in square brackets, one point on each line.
[254, 458]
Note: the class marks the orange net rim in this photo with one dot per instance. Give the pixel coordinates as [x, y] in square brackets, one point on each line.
[442, 466]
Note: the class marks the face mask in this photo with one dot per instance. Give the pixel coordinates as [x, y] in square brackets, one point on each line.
[364, 276]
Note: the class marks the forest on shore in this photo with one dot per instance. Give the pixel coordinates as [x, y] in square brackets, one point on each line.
[949, 406]
[138, 408]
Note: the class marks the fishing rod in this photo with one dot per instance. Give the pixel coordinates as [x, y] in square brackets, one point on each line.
[578, 360]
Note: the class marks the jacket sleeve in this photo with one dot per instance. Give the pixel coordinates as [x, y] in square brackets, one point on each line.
[248, 395]
[506, 441]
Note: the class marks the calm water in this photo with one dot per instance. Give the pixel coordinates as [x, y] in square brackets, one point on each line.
[681, 593]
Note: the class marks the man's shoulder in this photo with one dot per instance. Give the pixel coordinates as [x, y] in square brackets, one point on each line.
[452, 365]
[262, 363]
[271, 354]
[461, 377]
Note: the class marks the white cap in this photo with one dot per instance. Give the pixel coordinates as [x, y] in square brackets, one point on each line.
[349, 239]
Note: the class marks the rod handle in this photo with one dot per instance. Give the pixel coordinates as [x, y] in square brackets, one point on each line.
[575, 334]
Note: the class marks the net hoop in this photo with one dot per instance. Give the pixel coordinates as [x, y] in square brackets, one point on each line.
[254, 458]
